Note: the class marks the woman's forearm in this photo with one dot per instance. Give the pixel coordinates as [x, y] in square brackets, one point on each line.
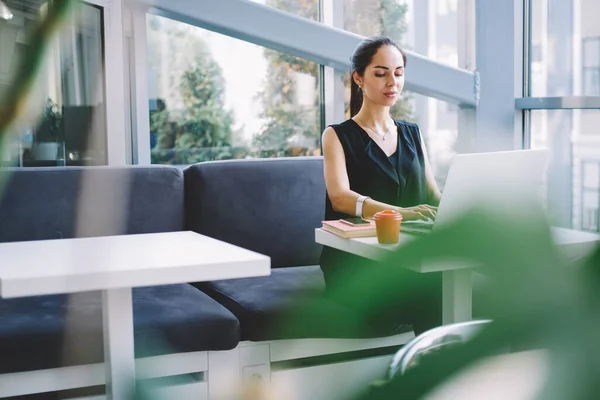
[346, 203]
[433, 197]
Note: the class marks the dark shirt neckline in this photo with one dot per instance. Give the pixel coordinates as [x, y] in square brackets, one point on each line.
[377, 144]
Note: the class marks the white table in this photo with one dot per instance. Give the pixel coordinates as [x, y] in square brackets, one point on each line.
[115, 265]
[456, 276]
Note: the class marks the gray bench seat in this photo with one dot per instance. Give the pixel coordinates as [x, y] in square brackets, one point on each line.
[272, 206]
[289, 304]
[64, 330]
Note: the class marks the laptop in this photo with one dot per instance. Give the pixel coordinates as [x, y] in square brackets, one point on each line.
[500, 181]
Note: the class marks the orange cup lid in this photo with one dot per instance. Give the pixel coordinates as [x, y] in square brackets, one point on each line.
[387, 214]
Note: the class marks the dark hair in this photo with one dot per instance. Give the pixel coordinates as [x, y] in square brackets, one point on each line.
[362, 57]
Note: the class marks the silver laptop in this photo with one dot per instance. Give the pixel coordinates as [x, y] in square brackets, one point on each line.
[499, 181]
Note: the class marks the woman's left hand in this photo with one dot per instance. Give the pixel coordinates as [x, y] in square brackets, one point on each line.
[427, 210]
[420, 212]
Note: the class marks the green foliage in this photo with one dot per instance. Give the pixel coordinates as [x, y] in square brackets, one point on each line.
[202, 130]
[290, 128]
[380, 17]
[285, 122]
[51, 125]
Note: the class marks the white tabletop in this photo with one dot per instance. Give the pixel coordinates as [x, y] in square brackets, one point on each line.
[83, 264]
[572, 243]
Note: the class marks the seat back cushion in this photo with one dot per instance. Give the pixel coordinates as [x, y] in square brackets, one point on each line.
[52, 203]
[271, 206]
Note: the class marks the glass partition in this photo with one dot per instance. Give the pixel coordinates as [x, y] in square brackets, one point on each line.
[68, 116]
[573, 182]
[565, 48]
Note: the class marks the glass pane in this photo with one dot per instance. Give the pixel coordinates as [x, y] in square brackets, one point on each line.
[68, 97]
[590, 219]
[302, 8]
[572, 137]
[591, 82]
[591, 52]
[438, 122]
[428, 27]
[591, 175]
[565, 51]
[204, 105]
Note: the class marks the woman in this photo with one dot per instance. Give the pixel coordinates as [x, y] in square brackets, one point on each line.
[372, 163]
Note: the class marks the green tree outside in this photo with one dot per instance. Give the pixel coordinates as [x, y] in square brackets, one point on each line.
[198, 129]
[288, 126]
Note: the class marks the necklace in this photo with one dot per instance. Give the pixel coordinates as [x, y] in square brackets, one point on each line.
[383, 137]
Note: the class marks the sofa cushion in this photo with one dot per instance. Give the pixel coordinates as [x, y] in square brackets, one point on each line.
[59, 330]
[43, 203]
[290, 304]
[271, 206]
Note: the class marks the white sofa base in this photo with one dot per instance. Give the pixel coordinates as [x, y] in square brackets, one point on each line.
[229, 375]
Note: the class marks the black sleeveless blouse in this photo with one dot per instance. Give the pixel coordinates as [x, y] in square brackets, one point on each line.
[398, 180]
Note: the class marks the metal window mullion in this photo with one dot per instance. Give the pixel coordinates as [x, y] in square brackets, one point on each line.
[527, 47]
[467, 116]
[333, 79]
[321, 77]
[526, 114]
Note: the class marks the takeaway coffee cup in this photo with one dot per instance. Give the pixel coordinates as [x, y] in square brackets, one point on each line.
[387, 224]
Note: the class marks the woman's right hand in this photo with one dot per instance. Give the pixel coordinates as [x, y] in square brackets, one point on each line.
[422, 212]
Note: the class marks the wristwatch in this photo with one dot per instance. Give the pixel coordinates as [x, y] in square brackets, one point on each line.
[359, 205]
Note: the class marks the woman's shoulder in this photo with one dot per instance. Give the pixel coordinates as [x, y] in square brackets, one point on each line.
[410, 127]
[342, 129]
[349, 123]
[407, 124]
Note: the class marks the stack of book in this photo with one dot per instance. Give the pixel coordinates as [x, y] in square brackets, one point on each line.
[344, 230]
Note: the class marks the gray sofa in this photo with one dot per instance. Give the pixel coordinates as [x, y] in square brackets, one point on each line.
[271, 206]
[41, 203]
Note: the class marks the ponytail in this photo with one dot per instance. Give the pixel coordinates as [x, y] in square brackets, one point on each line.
[356, 97]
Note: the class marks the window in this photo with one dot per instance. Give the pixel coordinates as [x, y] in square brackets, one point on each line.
[573, 184]
[213, 97]
[591, 66]
[428, 27]
[558, 65]
[69, 95]
[590, 188]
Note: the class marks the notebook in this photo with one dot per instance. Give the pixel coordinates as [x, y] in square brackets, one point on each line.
[348, 231]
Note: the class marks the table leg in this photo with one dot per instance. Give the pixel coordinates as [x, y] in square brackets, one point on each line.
[456, 296]
[119, 358]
